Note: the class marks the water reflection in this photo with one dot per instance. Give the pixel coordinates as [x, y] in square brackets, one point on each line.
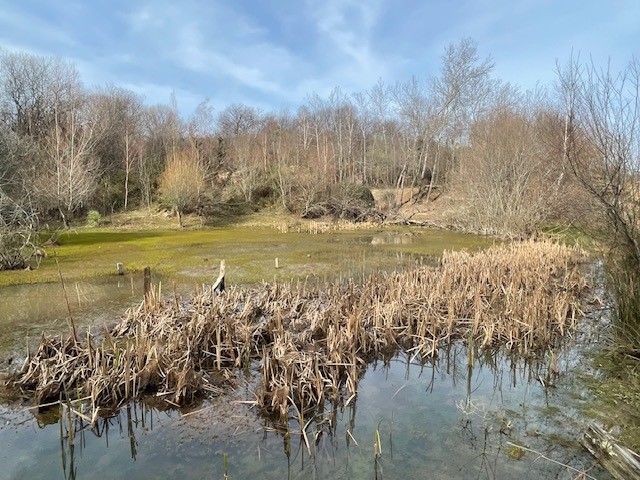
[449, 418]
[75, 432]
[393, 238]
[28, 311]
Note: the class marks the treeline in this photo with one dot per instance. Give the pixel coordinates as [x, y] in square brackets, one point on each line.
[65, 149]
[512, 160]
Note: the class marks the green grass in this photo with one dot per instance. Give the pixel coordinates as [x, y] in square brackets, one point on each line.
[570, 235]
[250, 252]
[617, 396]
[95, 252]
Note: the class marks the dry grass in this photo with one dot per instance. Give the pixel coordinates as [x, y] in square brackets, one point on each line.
[314, 344]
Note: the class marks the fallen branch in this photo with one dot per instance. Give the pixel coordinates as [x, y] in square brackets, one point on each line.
[620, 461]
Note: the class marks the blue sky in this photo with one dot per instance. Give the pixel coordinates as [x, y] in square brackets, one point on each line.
[271, 54]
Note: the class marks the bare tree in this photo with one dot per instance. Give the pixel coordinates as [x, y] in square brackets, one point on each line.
[602, 148]
[510, 183]
[365, 125]
[18, 230]
[120, 146]
[239, 128]
[462, 93]
[238, 119]
[17, 155]
[43, 101]
[34, 90]
[318, 111]
[342, 130]
[67, 176]
[602, 143]
[416, 114]
[162, 133]
[382, 153]
[203, 142]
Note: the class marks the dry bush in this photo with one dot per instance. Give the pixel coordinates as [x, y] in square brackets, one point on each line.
[311, 198]
[511, 184]
[602, 149]
[183, 182]
[18, 232]
[303, 191]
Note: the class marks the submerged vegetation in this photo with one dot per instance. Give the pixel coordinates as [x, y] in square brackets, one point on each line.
[313, 344]
[193, 254]
[616, 402]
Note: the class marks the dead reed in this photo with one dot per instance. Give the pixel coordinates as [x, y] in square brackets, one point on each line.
[314, 343]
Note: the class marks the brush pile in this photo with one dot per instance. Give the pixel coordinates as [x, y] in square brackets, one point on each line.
[314, 343]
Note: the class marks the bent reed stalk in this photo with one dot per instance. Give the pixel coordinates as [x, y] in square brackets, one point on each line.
[314, 343]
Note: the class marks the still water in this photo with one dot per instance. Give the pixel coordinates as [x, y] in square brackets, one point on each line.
[439, 420]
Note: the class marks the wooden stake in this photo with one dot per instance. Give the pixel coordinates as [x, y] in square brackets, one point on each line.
[147, 283]
[218, 285]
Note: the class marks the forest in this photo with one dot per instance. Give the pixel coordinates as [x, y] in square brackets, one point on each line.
[67, 149]
[513, 162]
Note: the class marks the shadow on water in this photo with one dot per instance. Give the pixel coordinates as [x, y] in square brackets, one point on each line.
[500, 417]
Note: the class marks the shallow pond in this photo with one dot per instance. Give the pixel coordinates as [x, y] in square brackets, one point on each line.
[440, 420]
[502, 418]
[182, 261]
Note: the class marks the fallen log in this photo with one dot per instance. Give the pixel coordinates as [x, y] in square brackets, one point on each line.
[621, 462]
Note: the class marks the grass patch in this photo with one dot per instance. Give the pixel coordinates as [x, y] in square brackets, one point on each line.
[569, 235]
[249, 248]
[617, 397]
[514, 452]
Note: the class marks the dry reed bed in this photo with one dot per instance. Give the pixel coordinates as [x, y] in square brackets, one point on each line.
[314, 344]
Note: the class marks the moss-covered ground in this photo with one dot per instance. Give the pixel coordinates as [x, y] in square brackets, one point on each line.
[616, 392]
[249, 248]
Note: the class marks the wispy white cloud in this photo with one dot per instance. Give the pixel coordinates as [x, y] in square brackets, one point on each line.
[275, 54]
[248, 66]
[345, 28]
[222, 46]
[23, 23]
[155, 93]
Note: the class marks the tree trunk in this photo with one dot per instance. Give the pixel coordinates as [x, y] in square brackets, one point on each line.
[64, 218]
[127, 169]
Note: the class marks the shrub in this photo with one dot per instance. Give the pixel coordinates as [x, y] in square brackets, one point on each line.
[183, 182]
[350, 202]
[93, 218]
[18, 227]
